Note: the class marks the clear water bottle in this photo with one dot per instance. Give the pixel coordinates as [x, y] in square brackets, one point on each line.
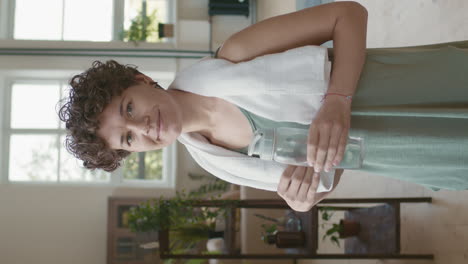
[289, 146]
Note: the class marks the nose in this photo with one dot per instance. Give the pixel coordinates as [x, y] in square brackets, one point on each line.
[141, 126]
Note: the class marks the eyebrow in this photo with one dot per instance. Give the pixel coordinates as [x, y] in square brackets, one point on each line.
[121, 115]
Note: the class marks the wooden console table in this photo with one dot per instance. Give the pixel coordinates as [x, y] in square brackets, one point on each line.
[311, 229]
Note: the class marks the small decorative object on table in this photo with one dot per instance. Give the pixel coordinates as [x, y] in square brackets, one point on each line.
[294, 237]
[344, 229]
[285, 239]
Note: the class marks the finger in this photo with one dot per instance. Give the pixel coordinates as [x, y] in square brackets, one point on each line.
[333, 147]
[322, 147]
[341, 148]
[306, 182]
[296, 181]
[312, 142]
[285, 179]
[313, 186]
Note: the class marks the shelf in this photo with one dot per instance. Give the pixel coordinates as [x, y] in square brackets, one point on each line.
[230, 231]
[122, 244]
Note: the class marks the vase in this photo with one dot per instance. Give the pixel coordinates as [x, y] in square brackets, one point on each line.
[284, 239]
[293, 223]
[349, 228]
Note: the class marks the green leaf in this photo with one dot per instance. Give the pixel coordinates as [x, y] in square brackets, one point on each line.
[325, 216]
[330, 231]
[335, 240]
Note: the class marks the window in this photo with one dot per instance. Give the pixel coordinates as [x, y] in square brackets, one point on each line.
[63, 20]
[84, 20]
[34, 152]
[35, 134]
[135, 11]
[34, 138]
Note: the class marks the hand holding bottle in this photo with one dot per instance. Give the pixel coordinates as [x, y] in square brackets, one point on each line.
[298, 187]
[328, 133]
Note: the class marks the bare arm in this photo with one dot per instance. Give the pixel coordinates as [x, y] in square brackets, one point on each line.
[343, 22]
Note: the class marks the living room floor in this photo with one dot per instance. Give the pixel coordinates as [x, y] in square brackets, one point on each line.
[440, 228]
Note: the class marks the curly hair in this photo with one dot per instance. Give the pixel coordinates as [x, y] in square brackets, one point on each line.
[91, 91]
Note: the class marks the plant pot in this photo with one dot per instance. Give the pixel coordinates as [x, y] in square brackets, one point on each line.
[284, 239]
[165, 30]
[350, 228]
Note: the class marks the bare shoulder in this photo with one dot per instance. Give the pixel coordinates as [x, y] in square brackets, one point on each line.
[232, 130]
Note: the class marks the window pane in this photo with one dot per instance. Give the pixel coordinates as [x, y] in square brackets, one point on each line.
[33, 158]
[151, 166]
[88, 20]
[71, 169]
[130, 166]
[161, 7]
[38, 19]
[133, 10]
[33, 105]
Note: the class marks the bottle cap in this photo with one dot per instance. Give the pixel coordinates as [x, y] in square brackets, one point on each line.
[262, 144]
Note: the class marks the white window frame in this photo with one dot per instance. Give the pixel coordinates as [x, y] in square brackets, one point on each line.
[116, 180]
[7, 18]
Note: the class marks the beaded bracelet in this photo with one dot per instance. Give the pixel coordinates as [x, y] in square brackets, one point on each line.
[349, 97]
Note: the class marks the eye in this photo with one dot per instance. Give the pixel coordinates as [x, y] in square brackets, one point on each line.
[129, 138]
[130, 109]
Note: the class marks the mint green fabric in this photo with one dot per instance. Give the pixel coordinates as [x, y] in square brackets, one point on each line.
[257, 122]
[411, 109]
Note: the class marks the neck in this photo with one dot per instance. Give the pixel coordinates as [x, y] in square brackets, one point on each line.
[198, 112]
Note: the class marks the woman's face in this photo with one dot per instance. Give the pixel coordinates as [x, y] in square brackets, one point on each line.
[142, 118]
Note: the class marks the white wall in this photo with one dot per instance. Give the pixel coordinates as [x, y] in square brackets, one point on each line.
[394, 23]
[68, 224]
[194, 25]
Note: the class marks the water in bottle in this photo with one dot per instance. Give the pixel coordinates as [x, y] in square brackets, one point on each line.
[289, 146]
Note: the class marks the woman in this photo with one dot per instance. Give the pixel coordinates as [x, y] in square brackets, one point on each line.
[396, 106]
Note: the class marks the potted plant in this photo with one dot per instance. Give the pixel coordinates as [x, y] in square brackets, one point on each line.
[142, 28]
[267, 231]
[290, 222]
[186, 223]
[343, 229]
[282, 239]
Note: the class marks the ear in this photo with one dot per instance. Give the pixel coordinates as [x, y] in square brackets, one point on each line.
[143, 78]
